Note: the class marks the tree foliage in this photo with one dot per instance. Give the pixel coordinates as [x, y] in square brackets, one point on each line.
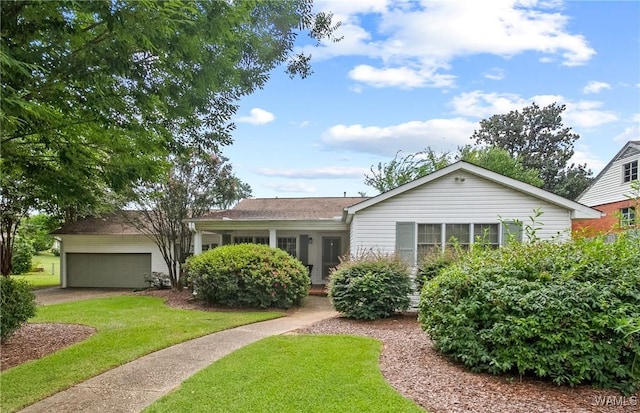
[196, 183]
[94, 93]
[500, 161]
[403, 169]
[539, 138]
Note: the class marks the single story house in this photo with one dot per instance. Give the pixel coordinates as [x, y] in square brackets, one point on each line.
[461, 201]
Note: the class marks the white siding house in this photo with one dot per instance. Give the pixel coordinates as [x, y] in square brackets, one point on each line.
[462, 201]
[611, 192]
[614, 181]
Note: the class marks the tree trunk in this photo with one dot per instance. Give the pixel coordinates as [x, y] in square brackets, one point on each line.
[7, 229]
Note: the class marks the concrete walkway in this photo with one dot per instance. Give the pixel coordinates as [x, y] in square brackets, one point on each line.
[136, 385]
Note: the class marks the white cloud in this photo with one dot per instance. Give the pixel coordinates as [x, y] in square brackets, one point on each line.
[330, 172]
[495, 74]
[417, 42]
[291, 187]
[403, 77]
[630, 133]
[580, 114]
[414, 136]
[587, 114]
[595, 87]
[582, 155]
[257, 116]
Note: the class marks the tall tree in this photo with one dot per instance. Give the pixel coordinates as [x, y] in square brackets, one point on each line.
[540, 140]
[94, 93]
[196, 183]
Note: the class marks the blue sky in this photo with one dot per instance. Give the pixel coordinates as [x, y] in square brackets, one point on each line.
[411, 75]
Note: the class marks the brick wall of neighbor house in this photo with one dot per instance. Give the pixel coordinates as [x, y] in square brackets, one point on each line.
[608, 223]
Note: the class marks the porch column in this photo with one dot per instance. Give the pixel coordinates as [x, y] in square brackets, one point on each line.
[273, 240]
[197, 243]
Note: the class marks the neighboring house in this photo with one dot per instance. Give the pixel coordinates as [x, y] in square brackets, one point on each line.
[463, 201]
[610, 193]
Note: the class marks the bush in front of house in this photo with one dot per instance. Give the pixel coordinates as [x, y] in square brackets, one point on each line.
[566, 312]
[434, 261]
[370, 287]
[18, 305]
[248, 275]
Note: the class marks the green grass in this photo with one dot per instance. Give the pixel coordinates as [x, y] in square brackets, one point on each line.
[45, 278]
[127, 328]
[305, 373]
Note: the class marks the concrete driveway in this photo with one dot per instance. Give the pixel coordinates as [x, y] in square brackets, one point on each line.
[57, 295]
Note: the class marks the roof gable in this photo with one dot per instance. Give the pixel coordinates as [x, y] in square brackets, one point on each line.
[577, 210]
[629, 150]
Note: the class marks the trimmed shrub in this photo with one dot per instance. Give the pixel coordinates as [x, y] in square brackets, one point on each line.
[248, 275]
[23, 252]
[18, 305]
[566, 312]
[370, 287]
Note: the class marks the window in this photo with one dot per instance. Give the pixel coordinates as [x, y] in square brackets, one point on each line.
[457, 233]
[511, 232]
[251, 240]
[487, 234]
[627, 216]
[630, 171]
[288, 244]
[429, 238]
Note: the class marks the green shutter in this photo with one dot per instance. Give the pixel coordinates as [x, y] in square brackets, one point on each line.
[406, 241]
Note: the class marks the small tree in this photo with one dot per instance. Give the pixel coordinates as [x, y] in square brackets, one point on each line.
[196, 183]
[405, 169]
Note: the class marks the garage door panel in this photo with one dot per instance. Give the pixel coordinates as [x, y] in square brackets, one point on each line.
[107, 270]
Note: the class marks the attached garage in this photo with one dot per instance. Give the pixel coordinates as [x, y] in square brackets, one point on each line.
[106, 252]
[123, 270]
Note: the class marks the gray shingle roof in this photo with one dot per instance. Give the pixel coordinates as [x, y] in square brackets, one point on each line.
[111, 224]
[286, 208]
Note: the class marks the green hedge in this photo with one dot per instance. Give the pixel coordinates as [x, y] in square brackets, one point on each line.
[369, 288]
[568, 312]
[18, 304]
[248, 275]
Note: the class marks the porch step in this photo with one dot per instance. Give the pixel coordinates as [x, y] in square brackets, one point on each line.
[318, 289]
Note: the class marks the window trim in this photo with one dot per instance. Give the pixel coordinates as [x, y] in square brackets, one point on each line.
[289, 242]
[628, 216]
[630, 171]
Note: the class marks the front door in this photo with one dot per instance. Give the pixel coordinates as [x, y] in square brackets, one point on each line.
[331, 251]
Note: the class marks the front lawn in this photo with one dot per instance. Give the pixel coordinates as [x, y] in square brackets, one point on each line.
[127, 328]
[304, 373]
